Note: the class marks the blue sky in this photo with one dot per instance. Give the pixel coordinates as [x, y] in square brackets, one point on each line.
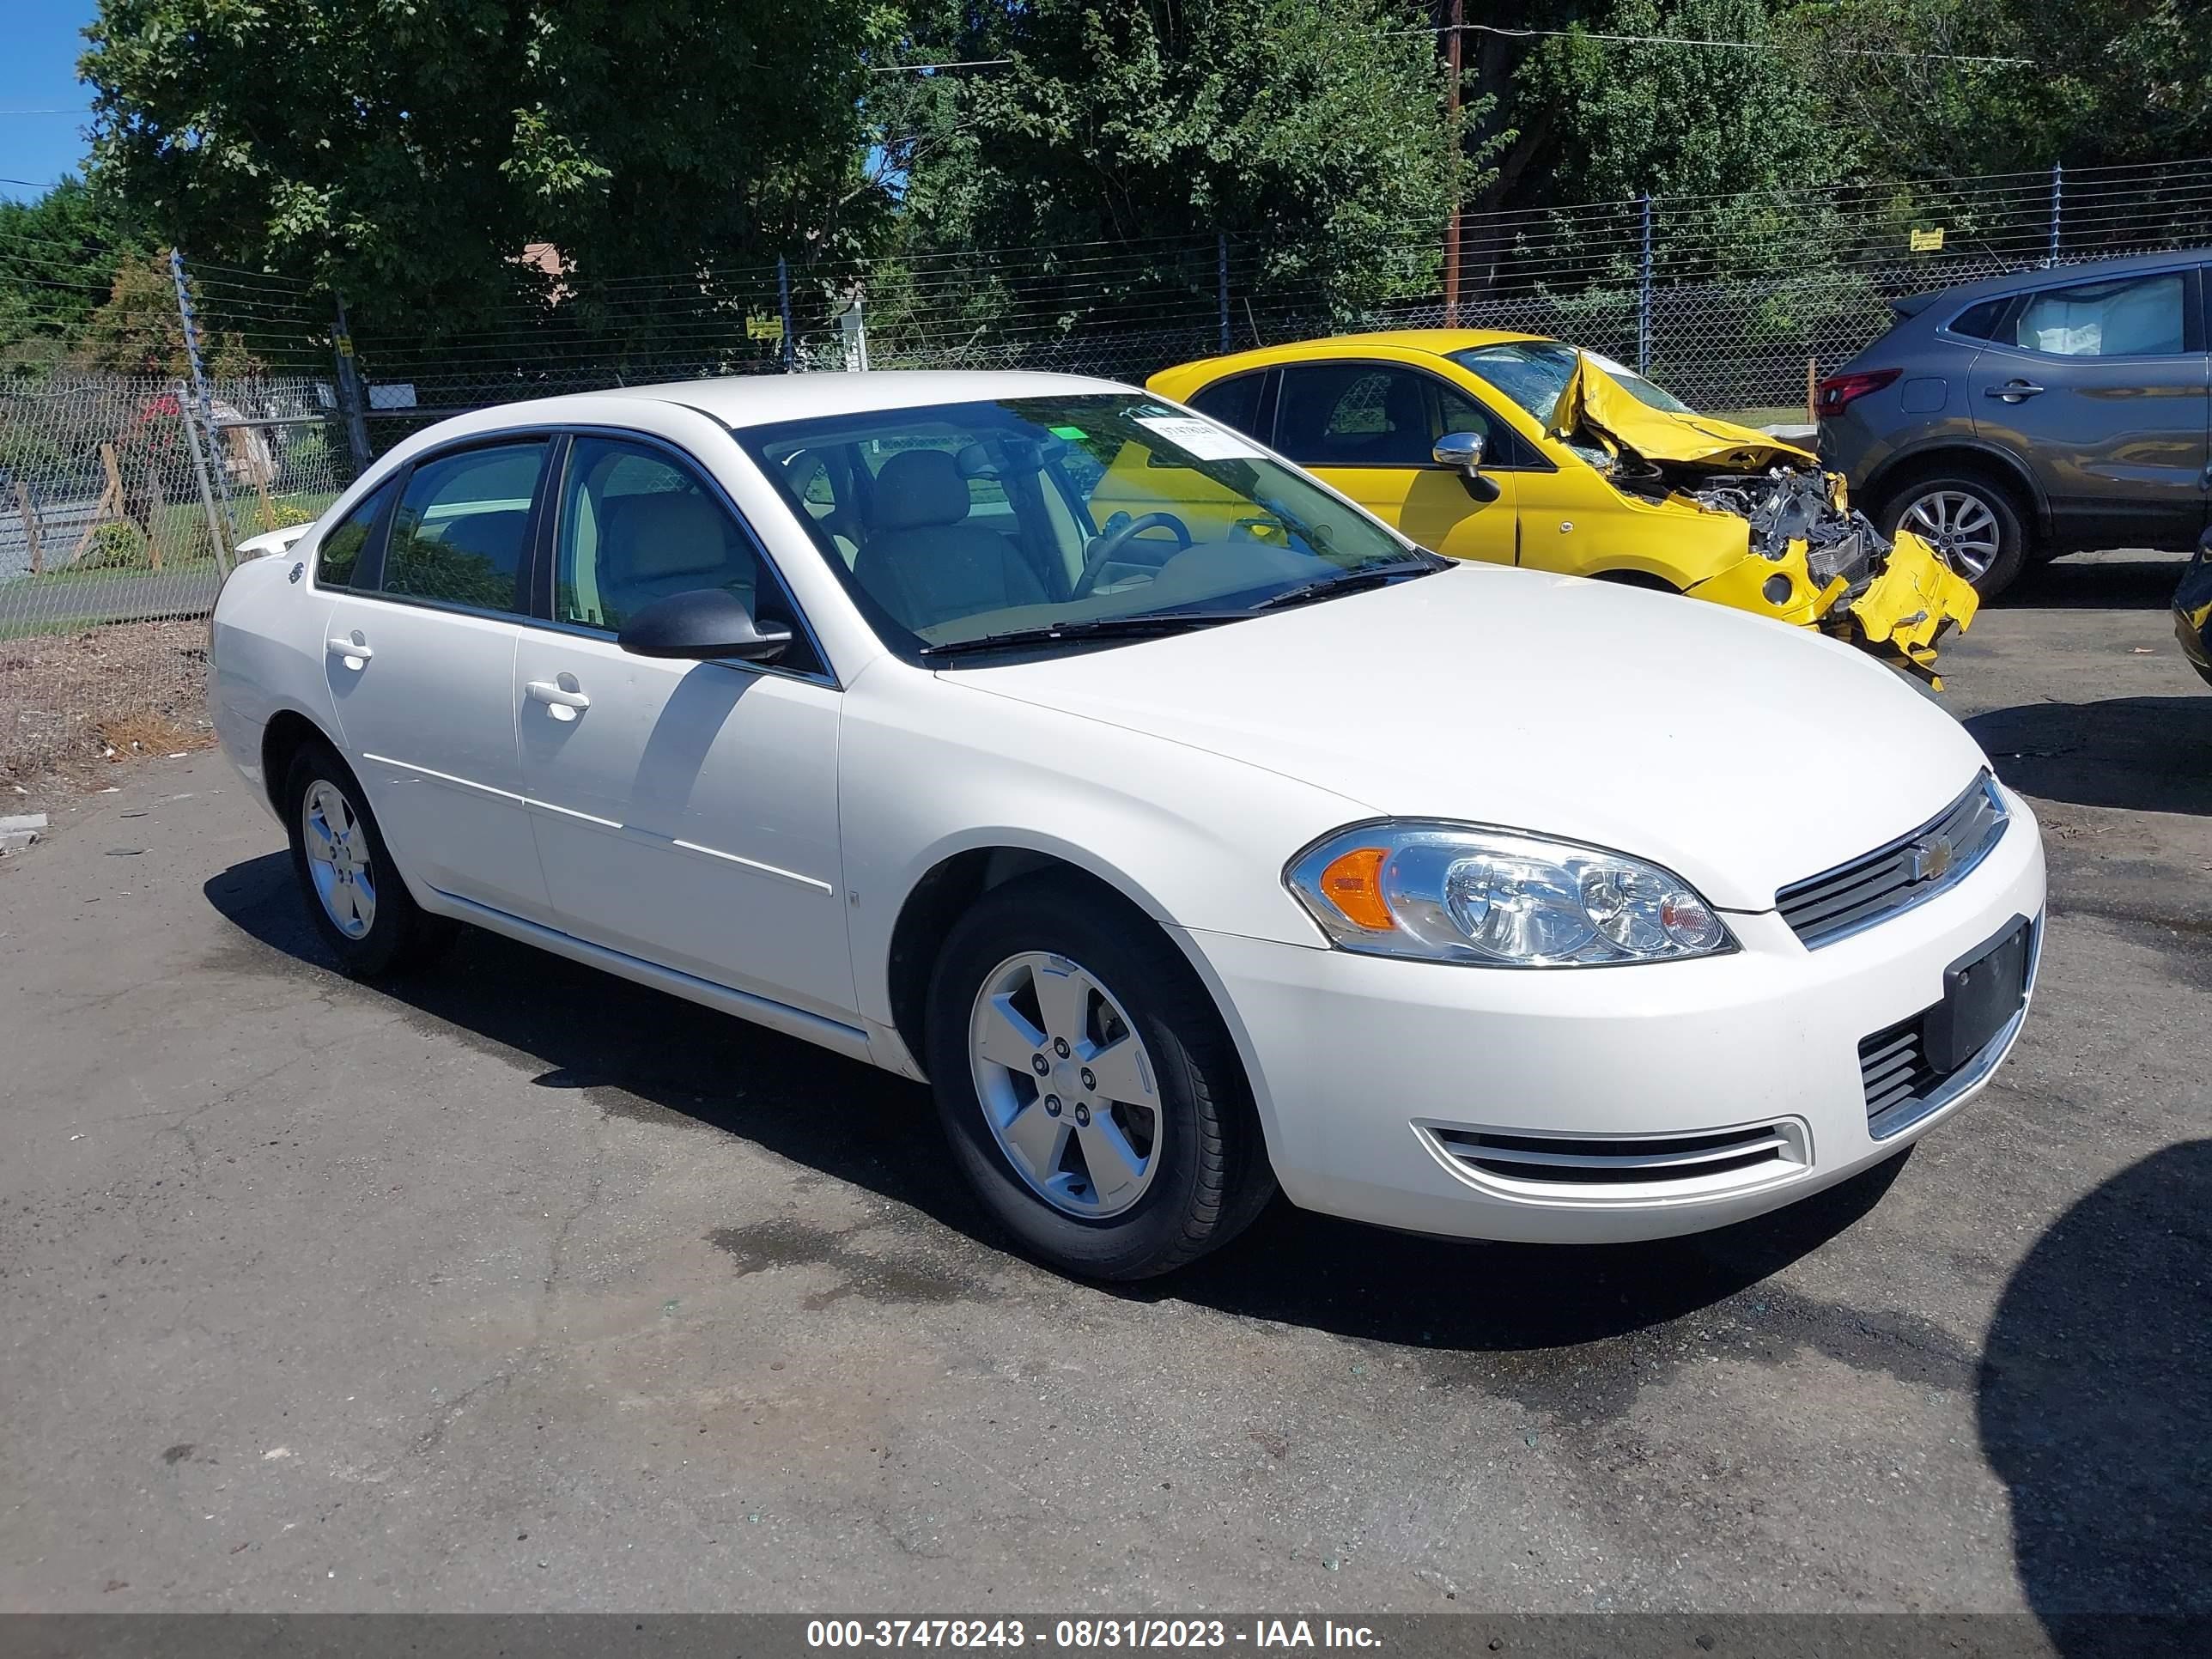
[38, 71]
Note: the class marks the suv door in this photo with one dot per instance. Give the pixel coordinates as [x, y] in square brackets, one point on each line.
[419, 655]
[1367, 428]
[686, 812]
[2102, 387]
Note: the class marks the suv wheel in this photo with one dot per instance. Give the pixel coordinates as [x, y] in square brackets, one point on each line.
[1972, 524]
[1090, 1092]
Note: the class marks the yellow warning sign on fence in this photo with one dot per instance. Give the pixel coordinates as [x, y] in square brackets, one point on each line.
[763, 328]
[1930, 240]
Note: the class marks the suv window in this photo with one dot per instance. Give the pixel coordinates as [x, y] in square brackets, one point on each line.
[340, 556]
[460, 531]
[1371, 415]
[636, 525]
[2123, 316]
[1979, 322]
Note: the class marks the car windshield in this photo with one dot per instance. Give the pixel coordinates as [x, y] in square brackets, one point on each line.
[1043, 521]
[1533, 373]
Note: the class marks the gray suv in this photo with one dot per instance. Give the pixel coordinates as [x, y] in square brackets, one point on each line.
[2042, 413]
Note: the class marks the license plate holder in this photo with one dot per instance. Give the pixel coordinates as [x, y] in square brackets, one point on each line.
[1981, 994]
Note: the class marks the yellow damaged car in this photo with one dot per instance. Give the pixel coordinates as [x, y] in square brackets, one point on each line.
[1523, 450]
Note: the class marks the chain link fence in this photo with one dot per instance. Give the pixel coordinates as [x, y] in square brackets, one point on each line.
[121, 508]
[123, 499]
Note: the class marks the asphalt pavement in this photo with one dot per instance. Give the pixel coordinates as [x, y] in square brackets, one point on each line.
[513, 1286]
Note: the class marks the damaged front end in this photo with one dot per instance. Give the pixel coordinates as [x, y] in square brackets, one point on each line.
[1810, 559]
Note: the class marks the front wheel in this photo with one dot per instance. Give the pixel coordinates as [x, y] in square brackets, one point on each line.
[354, 895]
[1089, 1091]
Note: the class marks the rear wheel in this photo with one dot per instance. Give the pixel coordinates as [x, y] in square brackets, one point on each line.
[1973, 525]
[354, 895]
[1089, 1091]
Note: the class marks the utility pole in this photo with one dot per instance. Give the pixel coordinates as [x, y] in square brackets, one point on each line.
[1457, 18]
[350, 398]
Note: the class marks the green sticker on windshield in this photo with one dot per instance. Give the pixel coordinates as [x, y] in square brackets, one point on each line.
[1074, 434]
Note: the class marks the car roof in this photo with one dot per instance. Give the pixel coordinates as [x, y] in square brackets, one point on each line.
[2087, 270]
[745, 400]
[1439, 341]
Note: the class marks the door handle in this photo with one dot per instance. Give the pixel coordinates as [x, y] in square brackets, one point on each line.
[563, 702]
[355, 650]
[2012, 391]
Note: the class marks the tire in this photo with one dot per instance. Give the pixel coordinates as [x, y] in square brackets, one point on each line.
[356, 899]
[1078, 967]
[1974, 524]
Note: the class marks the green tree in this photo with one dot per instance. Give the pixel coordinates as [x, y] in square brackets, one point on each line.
[407, 151]
[59, 256]
[1311, 129]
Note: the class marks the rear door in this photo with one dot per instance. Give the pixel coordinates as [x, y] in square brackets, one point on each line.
[2101, 386]
[1367, 429]
[419, 655]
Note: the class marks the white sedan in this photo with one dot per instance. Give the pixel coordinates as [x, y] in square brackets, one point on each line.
[1193, 834]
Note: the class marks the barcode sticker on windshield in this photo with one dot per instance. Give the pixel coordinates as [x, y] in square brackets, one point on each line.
[1200, 438]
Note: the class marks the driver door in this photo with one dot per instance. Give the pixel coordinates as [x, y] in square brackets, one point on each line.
[1367, 429]
[684, 812]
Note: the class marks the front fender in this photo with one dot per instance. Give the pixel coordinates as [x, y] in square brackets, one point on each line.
[929, 768]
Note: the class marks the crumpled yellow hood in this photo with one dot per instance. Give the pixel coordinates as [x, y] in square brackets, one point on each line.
[1594, 402]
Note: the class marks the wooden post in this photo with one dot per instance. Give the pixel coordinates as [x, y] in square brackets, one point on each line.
[111, 504]
[1811, 381]
[30, 527]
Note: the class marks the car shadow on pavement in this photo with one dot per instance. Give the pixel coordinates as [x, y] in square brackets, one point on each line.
[640, 1053]
[2144, 583]
[2096, 1398]
[2138, 754]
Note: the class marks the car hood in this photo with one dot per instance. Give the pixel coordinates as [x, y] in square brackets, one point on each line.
[1594, 404]
[1742, 754]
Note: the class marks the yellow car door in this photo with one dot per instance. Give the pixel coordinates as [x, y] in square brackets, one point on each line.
[1367, 428]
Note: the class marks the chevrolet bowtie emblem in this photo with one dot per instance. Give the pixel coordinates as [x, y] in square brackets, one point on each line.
[1927, 860]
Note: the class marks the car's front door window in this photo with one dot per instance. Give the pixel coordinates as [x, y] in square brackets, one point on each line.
[1334, 414]
[636, 525]
[461, 533]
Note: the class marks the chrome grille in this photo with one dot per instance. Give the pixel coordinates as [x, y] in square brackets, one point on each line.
[1909, 871]
[1636, 1161]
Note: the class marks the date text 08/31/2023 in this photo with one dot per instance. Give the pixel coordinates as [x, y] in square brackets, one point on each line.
[1260, 1635]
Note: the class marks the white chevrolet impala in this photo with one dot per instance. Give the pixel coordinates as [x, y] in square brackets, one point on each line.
[1192, 833]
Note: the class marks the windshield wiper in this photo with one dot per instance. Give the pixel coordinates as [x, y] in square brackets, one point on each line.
[1352, 581]
[1151, 625]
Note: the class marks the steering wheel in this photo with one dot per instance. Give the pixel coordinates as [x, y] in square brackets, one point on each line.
[1113, 541]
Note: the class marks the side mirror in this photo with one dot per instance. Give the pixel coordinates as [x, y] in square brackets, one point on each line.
[700, 625]
[1463, 452]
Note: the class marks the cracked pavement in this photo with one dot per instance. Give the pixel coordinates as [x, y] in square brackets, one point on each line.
[511, 1286]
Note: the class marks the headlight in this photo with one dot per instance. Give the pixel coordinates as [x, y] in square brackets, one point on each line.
[1447, 892]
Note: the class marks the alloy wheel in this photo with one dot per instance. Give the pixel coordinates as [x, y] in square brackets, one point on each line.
[338, 859]
[1067, 1085]
[1959, 525]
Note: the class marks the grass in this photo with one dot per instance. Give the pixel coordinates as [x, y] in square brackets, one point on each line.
[75, 576]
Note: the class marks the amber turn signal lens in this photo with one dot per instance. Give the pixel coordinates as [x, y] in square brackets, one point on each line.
[1352, 881]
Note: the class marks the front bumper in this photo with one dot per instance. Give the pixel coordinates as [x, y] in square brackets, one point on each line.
[1450, 1100]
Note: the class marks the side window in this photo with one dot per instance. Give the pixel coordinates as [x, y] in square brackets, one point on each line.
[1234, 402]
[1980, 322]
[2126, 317]
[458, 534]
[1367, 415]
[340, 556]
[636, 525]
